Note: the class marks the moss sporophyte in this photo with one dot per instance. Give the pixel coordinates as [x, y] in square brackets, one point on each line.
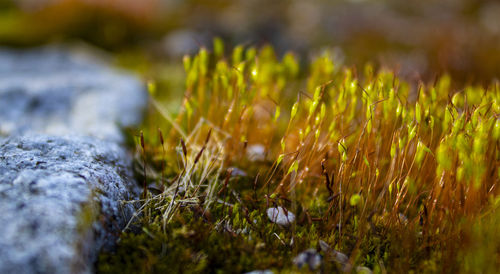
[397, 177]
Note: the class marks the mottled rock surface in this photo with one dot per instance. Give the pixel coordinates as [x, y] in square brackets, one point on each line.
[61, 91]
[51, 190]
[63, 170]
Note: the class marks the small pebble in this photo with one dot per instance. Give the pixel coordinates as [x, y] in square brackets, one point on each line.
[279, 216]
[309, 257]
[260, 272]
[256, 153]
[238, 172]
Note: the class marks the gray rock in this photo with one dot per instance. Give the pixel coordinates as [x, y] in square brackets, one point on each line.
[60, 202]
[60, 195]
[60, 91]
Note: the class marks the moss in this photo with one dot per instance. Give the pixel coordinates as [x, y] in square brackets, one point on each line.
[370, 165]
[233, 239]
[191, 245]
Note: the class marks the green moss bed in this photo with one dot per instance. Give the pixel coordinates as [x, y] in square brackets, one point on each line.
[400, 177]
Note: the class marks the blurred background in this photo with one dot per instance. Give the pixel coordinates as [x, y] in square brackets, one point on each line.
[418, 39]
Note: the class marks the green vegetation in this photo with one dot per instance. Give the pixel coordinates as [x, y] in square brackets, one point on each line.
[398, 177]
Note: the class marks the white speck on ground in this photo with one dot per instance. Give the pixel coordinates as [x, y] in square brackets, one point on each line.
[280, 216]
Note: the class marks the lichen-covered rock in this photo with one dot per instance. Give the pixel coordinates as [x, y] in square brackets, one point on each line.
[59, 91]
[60, 202]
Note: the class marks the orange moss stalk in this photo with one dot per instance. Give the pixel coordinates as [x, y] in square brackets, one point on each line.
[415, 161]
